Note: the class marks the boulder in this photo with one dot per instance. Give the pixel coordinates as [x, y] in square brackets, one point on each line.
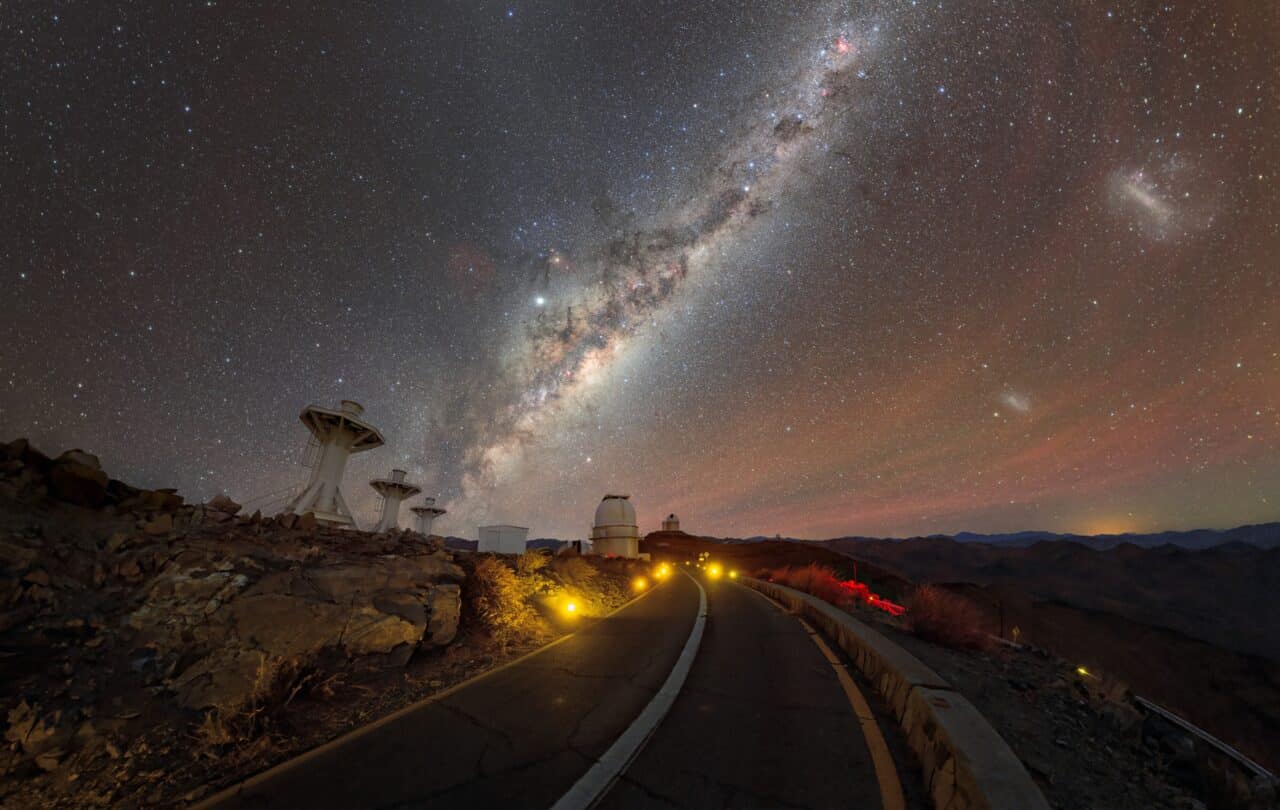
[159, 525]
[37, 733]
[33, 459]
[14, 450]
[444, 610]
[118, 491]
[437, 567]
[371, 631]
[408, 606]
[221, 503]
[346, 583]
[153, 500]
[224, 680]
[75, 481]
[281, 625]
[78, 456]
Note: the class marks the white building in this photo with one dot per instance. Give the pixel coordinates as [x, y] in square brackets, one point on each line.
[671, 524]
[616, 533]
[503, 539]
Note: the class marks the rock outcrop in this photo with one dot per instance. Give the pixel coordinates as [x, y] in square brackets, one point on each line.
[119, 602]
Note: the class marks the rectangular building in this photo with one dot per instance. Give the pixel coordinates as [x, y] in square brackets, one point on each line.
[503, 539]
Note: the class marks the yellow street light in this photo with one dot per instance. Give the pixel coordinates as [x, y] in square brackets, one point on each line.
[639, 583]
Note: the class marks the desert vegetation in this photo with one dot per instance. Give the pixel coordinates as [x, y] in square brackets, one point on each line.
[946, 618]
[525, 598]
[825, 583]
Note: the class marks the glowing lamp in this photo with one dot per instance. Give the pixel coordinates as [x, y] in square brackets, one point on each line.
[639, 583]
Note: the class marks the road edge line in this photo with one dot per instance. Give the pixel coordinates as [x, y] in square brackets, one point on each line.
[891, 796]
[599, 778]
[355, 733]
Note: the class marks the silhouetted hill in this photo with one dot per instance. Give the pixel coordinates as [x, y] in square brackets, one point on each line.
[1264, 535]
[1224, 594]
[1261, 535]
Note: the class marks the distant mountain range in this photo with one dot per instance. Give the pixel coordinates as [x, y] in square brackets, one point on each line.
[1262, 535]
[462, 544]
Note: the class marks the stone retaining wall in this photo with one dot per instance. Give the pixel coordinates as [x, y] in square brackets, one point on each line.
[966, 763]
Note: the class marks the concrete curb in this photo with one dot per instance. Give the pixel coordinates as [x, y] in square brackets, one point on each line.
[966, 763]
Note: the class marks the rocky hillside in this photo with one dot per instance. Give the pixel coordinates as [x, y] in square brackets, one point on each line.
[1141, 614]
[148, 645]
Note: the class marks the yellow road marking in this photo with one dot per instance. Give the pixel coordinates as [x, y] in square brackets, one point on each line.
[886, 774]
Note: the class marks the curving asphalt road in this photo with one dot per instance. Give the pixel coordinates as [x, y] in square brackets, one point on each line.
[761, 721]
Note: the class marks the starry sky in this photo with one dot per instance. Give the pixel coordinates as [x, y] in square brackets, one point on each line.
[799, 268]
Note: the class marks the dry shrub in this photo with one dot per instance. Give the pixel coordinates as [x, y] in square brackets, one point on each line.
[819, 580]
[276, 683]
[576, 572]
[495, 596]
[938, 615]
[531, 562]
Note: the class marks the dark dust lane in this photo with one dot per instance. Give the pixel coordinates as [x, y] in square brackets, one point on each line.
[518, 738]
[762, 721]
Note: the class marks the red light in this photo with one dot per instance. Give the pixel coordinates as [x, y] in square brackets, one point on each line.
[861, 592]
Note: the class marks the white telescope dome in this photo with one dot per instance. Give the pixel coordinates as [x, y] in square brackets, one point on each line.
[616, 531]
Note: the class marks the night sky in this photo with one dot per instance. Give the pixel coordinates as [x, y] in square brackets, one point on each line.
[806, 268]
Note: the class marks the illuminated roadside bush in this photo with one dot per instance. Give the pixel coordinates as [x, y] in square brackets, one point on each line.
[531, 562]
[823, 582]
[819, 580]
[495, 597]
[938, 615]
[576, 572]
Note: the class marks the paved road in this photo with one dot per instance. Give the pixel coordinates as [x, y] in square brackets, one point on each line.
[761, 722]
[517, 738]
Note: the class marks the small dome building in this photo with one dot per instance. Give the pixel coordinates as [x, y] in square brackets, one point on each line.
[671, 524]
[616, 532]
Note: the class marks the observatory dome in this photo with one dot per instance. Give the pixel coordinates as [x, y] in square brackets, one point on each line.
[616, 531]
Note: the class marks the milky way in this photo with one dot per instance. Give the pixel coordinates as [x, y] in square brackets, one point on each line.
[643, 269]
[798, 268]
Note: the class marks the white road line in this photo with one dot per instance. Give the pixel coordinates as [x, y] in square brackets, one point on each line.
[596, 782]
